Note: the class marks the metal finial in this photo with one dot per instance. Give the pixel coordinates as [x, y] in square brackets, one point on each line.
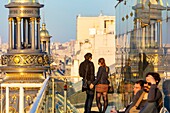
[101, 12]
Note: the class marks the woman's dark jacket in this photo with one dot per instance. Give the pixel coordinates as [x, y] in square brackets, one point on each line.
[102, 75]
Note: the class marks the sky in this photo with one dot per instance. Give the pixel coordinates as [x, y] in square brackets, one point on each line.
[60, 16]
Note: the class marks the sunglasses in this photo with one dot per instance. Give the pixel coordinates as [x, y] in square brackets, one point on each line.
[148, 83]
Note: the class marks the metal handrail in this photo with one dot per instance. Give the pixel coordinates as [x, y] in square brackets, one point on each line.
[39, 97]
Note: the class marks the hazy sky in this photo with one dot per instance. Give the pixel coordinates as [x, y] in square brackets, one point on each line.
[60, 16]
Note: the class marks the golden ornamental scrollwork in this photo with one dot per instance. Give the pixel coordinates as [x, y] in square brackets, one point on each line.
[13, 99]
[152, 58]
[1, 97]
[18, 19]
[29, 100]
[30, 59]
[10, 19]
[32, 19]
[4, 60]
[26, 109]
[25, 60]
[11, 110]
[46, 59]
[40, 59]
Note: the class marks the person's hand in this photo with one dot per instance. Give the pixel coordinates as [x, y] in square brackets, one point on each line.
[150, 79]
[113, 111]
[91, 86]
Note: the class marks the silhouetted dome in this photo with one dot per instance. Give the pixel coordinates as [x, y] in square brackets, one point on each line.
[44, 32]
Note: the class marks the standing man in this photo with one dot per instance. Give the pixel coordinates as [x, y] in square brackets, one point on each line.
[86, 70]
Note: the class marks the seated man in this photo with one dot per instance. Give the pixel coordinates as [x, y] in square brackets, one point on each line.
[154, 94]
[137, 96]
[139, 85]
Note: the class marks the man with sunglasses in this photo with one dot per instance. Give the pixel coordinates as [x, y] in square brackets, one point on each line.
[154, 98]
[152, 95]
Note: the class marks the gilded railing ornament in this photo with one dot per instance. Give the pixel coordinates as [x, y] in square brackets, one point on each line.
[13, 99]
[25, 60]
[40, 60]
[17, 59]
[4, 60]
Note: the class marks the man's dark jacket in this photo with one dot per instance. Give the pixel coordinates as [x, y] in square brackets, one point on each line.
[90, 71]
[135, 99]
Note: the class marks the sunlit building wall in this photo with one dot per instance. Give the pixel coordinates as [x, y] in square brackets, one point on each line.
[95, 35]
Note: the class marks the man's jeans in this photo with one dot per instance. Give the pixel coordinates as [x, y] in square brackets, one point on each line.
[89, 101]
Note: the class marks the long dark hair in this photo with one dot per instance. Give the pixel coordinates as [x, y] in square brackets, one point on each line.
[103, 64]
[102, 61]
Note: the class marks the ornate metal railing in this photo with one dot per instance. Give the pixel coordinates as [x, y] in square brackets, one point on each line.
[40, 99]
[62, 94]
[49, 100]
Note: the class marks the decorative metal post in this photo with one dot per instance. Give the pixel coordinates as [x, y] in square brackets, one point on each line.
[65, 95]
[7, 99]
[53, 97]
[21, 100]
[1, 98]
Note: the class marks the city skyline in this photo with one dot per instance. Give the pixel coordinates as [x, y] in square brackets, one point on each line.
[60, 19]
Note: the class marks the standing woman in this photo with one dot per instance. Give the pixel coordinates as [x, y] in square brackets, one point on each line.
[101, 84]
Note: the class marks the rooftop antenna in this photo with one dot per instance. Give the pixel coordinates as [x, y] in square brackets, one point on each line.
[101, 12]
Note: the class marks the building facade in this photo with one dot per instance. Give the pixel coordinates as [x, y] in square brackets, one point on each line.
[97, 36]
